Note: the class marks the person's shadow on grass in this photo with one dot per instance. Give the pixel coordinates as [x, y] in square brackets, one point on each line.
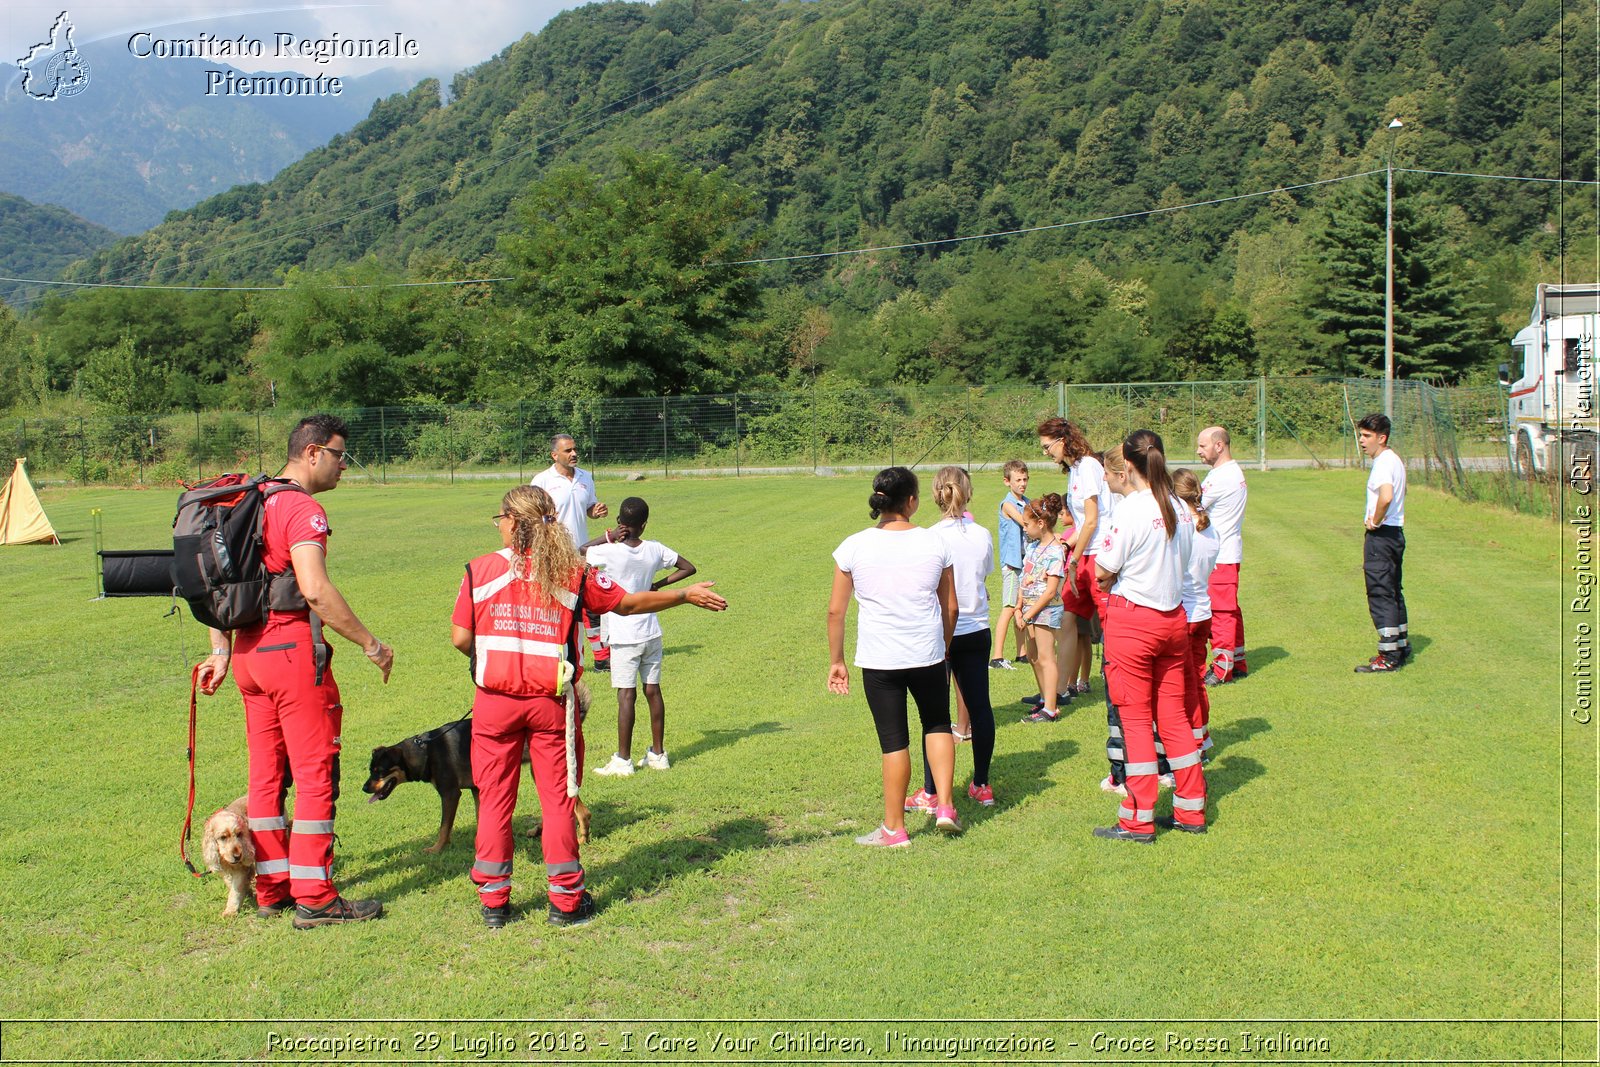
[715, 739]
[1225, 777]
[1263, 658]
[645, 870]
[1017, 775]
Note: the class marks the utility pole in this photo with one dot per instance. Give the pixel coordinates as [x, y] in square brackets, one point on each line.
[1388, 278]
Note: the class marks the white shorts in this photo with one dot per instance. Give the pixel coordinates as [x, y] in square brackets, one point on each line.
[630, 662]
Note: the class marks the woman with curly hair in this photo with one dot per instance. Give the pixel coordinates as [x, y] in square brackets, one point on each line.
[517, 618]
[1088, 500]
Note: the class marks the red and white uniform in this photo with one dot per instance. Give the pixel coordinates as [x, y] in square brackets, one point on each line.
[521, 642]
[292, 721]
[1147, 641]
[1223, 494]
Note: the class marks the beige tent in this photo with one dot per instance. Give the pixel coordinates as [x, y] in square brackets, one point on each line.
[22, 517]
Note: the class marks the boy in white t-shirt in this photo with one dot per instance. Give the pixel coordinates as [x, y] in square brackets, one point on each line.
[1385, 546]
[635, 640]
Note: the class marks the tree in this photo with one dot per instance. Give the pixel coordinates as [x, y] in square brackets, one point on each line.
[626, 286]
[1438, 328]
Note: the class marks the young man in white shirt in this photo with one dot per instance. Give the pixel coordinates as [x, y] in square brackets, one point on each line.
[1223, 495]
[1385, 545]
[572, 490]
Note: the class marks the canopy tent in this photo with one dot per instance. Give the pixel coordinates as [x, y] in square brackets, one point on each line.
[22, 517]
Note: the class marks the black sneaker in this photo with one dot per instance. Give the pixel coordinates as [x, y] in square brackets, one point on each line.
[1240, 671]
[1167, 822]
[1021, 658]
[1036, 701]
[496, 917]
[272, 911]
[337, 910]
[603, 665]
[577, 917]
[1379, 664]
[1213, 679]
[1117, 833]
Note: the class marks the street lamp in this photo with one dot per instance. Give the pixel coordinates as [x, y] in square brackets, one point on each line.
[1388, 278]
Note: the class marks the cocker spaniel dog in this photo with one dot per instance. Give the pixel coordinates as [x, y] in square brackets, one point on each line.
[229, 852]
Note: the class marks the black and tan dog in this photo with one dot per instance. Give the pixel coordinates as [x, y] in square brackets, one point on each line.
[443, 758]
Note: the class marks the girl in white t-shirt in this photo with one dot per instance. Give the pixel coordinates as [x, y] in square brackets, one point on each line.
[904, 585]
[1197, 603]
[1142, 564]
[972, 559]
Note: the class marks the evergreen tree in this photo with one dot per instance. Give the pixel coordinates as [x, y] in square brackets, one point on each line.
[1438, 328]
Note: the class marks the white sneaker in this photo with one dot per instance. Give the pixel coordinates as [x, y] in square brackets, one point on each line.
[1108, 786]
[618, 767]
[656, 761]
[1166, 781]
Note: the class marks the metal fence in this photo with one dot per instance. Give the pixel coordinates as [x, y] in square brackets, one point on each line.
[1455, 437]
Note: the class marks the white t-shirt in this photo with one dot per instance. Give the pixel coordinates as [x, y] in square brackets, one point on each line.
[1387, 469]
[633, 568]
[1223, 495]
[573, 498]
[1086, 480]
[896, 575]
[1150, 567]
[1197, 580]
[972, 555]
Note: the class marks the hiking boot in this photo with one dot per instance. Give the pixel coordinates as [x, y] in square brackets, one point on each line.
[619, 767]
[337, 910]
[272, 911]
[1117, 833]
[496, 917]
[1213, 679]
[577, 916]
[883, 837]
[1379, 664]
[922, 801]
[983, 794]
[1167, 822]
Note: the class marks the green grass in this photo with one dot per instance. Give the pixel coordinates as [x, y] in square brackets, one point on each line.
[1382, 848]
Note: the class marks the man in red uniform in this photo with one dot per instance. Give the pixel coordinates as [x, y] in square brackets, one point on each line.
[292, 709]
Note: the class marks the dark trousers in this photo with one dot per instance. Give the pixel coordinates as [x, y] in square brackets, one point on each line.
[1383, 553]
[969, 667]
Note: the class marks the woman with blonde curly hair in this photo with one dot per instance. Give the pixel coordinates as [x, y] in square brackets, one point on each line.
[517, 618]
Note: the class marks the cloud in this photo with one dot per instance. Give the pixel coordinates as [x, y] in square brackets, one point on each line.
[448, 37]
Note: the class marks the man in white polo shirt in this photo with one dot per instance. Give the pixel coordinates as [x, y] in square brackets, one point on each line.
[1385, 546]
[1223, 495]
[572, 490]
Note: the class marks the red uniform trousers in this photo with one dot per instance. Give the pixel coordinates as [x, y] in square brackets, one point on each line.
[500, 726]
[1197, 700]
[1146, 658]
[1227, 622]
[292, 726]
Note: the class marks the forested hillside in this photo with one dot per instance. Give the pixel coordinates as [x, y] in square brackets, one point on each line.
[37, 240]
[846, 124]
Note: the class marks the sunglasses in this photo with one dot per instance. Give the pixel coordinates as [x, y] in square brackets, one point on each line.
[343, 455]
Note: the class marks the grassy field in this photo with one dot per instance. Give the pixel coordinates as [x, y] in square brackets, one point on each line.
[1399, 867]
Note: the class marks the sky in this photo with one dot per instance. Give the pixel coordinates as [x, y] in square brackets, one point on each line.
[448, 36]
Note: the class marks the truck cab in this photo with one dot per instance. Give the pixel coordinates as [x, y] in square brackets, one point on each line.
[1552, 416]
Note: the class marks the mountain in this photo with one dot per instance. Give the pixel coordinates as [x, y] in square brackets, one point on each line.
[37, 240]
[885, 121]
[143, 138]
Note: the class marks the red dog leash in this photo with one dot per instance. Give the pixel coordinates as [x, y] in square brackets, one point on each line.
[188, 815]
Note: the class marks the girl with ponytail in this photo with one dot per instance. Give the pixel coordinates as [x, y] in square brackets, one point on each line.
[1142, 566]
[517, 619]
[903, 582]
[1197, 604]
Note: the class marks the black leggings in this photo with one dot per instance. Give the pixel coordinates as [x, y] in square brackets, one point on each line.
[886, 697]
[969, 666]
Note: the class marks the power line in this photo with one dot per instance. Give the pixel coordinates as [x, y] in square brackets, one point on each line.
[1496, 177]
[253, 288]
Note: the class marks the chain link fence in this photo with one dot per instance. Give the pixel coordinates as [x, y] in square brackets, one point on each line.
[1455, 438]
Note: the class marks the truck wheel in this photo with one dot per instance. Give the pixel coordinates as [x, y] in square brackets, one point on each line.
[1525, 458]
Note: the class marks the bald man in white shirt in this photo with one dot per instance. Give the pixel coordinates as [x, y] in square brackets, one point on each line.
[1223, 495]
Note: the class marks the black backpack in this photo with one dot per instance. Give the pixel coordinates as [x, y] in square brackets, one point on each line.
[218, 562]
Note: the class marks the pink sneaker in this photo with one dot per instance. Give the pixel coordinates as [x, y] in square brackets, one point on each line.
[947, 821]
[922, 801]
[883, 837]
[982, 794]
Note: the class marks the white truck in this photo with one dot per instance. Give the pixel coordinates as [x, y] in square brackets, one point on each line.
[1552, 417]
